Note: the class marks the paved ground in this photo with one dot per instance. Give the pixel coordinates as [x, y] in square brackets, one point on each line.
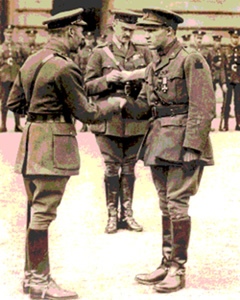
[102, 267]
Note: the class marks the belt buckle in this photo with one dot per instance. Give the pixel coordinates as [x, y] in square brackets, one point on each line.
[154, 112]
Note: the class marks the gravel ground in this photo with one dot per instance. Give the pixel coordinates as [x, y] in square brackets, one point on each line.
[102, 267]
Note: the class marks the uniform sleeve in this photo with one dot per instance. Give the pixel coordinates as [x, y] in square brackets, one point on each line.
[138, 109]
[201, 102]
[16, 100]
[70, 86]
[94, 79]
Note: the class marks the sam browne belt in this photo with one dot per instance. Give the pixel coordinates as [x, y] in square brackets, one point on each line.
[49, 118]
[168, 111]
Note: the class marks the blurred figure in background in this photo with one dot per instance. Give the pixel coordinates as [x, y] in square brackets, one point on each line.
[11, 59]
[218, 70]
[233, 78]
[186, 40]
[198, 44]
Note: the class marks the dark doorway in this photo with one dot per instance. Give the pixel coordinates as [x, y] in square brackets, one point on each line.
[92, 11]
[3, 22]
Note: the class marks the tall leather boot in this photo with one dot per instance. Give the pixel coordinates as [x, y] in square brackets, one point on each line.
[126, 197]
[175, 279]
[3, 127]
[161, 272]
[18, 127]
[225, 126]
[42, 286]
[27, 268]
[237, 122]
[112, 194]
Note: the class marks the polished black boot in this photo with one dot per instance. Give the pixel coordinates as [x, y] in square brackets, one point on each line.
[237, 128]
[18, 127]
[3, 127]
[27, 266]
[42, 286]
[126, 197]
[175, 279]
[225, 126]
[112, 194]
[161, 272]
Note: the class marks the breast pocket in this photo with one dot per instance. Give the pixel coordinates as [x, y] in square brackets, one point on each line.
[176, 87]
[65, 147]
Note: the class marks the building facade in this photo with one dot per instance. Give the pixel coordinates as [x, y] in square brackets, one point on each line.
[213, 16]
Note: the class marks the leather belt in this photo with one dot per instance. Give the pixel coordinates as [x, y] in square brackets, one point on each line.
[48, 118]
[168, 111]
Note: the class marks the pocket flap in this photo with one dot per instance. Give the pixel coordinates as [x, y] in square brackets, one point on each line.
[173, 121]
[64, 129]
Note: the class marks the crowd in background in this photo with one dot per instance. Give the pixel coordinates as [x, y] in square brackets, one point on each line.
[223, 60]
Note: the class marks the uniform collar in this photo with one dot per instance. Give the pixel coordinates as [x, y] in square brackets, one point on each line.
[58, 46]
[167, 48]
[170, 53]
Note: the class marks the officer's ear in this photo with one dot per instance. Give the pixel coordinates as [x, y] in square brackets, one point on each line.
[71, 31]
[169, 30]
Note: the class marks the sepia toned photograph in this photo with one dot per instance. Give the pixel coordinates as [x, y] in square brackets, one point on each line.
[119, 149]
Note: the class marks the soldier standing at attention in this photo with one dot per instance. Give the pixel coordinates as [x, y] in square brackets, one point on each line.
[218, 69]
[49, 88]
[11, 59]
[32, 47]
[81, 59]
[117, 69]
[178, 91]
[186, 38]
[198, 45]
[233, 78]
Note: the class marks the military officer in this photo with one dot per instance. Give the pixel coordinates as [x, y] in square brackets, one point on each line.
[11, 58]
[233, 78]
[85, 52]
[198, 45]
[32, 45]
[49, 88]
[81, 59]
[218, 68]
[179, 93]
[117, 69]
[186, 40]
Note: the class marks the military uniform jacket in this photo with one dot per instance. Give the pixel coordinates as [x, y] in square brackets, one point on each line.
[203, 50]
[50, 148]
[99, 65]
[177, 78]
[11, 58]
[233, 64]
[218, 63]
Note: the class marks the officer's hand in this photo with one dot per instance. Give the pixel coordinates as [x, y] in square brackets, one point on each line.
[121, 101]
[125, 76]
[224, 88]
[190, 158]
[114, 76]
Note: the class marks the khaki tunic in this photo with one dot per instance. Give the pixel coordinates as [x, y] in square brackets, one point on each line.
[50, 148]
[99, 65]
[188, 81]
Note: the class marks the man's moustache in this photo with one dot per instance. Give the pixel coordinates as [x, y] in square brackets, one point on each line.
[82, 44]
